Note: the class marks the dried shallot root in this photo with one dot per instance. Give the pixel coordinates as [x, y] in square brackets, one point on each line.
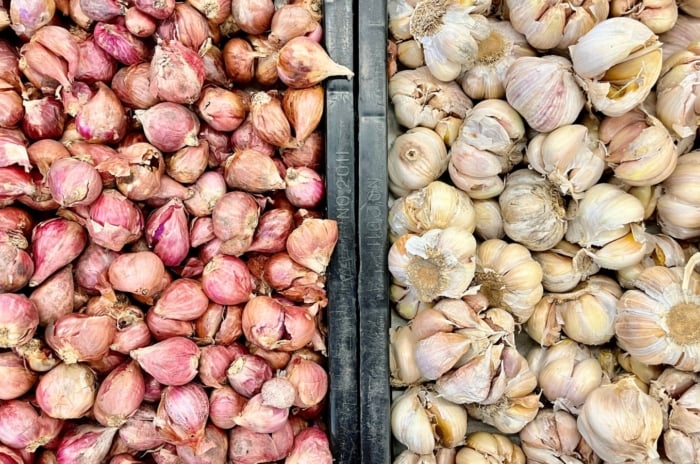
[543, 227]
[163, 246]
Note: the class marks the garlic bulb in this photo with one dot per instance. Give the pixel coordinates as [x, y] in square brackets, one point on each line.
[436, 206]
[586, 314]
[678, 208]
[420, 420]
[499, 372]
[658, 15]
[543, 90]
[509, 277]
[684, 32]
[533, 211]
[416, 158]
[489, 448]
[419, 99]
[691, 7]
[621, 423]
[489, 222]
[552, 437]
[406, 301]
[448, 30]
[495, 54]
[566, 372]
[604, 214]
[509, 415]
[564, 266]
[640, 149]
[557, 23]
[678, 91]
[490, 142]
[617, 63]
[439, 263]
[569, 156]
[657, 322]
[402, 360]
[410, 54]
[682, 439]
[409, 457]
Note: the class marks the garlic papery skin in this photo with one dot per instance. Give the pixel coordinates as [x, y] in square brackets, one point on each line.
[410, 422]
[564, 266]
[570, 156]
[586, 314]
[436, 206]
[416, 158]
[494, 55]
[682, 440]
[543, 90]
[657, 322]
[439, 263]
[680, 447]
[490, 142]
[402, 359]
[533, 211]
[558, 23]
[419, 99]
[678, 208]
[566, 373]
[621, 423]
[658, 15]
[552, 437]
[617, 63]
[639, 148]
[489, 222]
[449, 31]
[678, 91]
[489, 448]
[509, 277]
[691, 7]
[604, 214]
[683, 33]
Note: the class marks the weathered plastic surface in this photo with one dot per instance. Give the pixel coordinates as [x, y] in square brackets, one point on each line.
[372, 233]
[342, 341]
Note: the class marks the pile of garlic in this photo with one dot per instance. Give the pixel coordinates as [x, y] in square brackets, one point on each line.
[545, 186]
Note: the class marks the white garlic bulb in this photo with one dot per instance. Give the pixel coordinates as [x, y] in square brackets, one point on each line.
[543, 90]
[658, 15]
[484, 80]
[419, 412]
[439, 263]
[402, 360]
[617, 63]
[555, 24]
[586, 314]
[640, 149]
[490, 142]
[621, 423]
[604, 214]
[509, 415]
[678, 208]
[570, 157]
[684, 32]
[564, 266]
[419, 99]
[416, 158]
[533, 211]
[552, 438]
[656, 323]
[508, 277]
[691, 7]
[678, 91]
[566, 372]
[489, 222]
[489, 448]
[436, 206]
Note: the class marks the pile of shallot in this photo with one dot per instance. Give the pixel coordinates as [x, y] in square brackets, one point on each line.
[162, 242]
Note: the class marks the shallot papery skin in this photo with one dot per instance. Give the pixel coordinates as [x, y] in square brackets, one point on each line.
[103, 118]
[81, 338]
[54, 297]
[73, 182]
[118, 42]
[114, 221]
[19, 319]
[139, 431]
[169, 126]
[119, 395]
[44, 118]
[173, 361]
[177, 73]
[224, 405]
[85, 443]
[67, 391]
[22, 427]
[226, 280]
[183, 300]
[211, 448]
[55, 243]
[248, 447]
[167, 232]
[18, 379]
[182, 414]
[139, 273]
[310, 445]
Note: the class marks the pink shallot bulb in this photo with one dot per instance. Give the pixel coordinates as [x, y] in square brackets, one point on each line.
[173, 361]
[73, 182]
[167, 233]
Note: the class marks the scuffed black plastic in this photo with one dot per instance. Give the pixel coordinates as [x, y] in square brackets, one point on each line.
[341, 162]
[372, 233]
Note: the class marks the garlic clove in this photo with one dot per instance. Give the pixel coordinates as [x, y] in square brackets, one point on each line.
[438, 353]
[410, 423]
[471, 383]
[660, 15]
[450, 419]
[487, 448]
[489, 222]
[509, 415]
